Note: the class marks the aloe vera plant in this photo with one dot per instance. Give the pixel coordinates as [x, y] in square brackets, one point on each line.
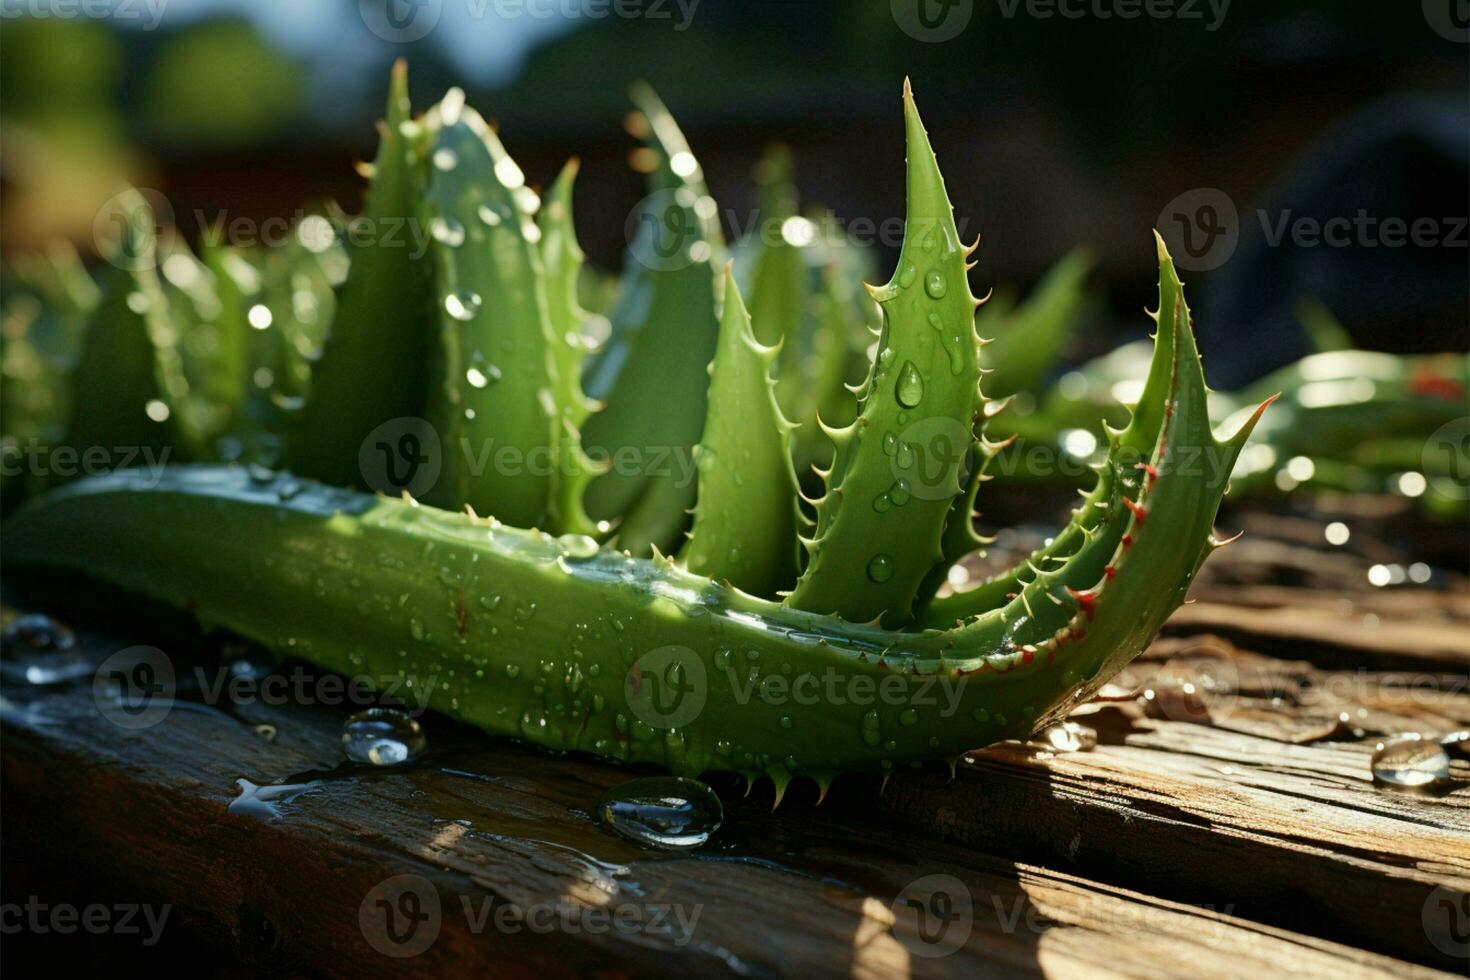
[733, 653]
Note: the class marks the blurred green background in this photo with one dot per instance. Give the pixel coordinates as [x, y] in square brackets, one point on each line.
[1077, 127]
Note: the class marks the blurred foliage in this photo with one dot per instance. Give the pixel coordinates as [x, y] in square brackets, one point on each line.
[219, 84]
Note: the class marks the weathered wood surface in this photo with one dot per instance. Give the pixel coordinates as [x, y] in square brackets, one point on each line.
[1234, 832]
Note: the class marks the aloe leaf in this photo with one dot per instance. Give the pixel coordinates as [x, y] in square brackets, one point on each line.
[652, 372]
[1322, 326]
[45, 314]
[745, 521]
[1102, 506]
[563, 260]
[492, 397]
[1001, 674]
[374, 364]
[119, 399]
[1026, 341]
[779, 283]
[880, 523]
[255, 417]
[214, 373]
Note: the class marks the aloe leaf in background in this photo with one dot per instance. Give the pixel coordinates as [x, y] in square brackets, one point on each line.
[563, 260]
[491, 401]
[119, 398]
[374, 363]
[746, 517]
[44, 315]
[651, 374]
[1026, 340]
[247, 356]
[779, 282]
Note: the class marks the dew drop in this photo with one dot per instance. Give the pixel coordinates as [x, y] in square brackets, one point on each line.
[663, 811]
[882, 503]
[578, 545]
[907, 275]
[445, 159]
[910, 387]
[489, 215]
[383, 737]
[890, 443]
[935, 284]
[880, 569]
[1410, 761]
[872, 728]
[447, 231]
[462, 304]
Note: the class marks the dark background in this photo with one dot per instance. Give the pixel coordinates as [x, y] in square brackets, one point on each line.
[1053, 131]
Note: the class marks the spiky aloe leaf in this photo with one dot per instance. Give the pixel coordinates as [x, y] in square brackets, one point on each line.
[374, 365]
[215, 374]
[880, 523]
[563, 260]
[42, 322]
[779, 283]
[1122, 472]
[847, 320]
[746, 519]
[302, 301]
[652, 372]
[120, 397]
[256, 418]
[1027, 339]
[1000, 674]
[492, 399]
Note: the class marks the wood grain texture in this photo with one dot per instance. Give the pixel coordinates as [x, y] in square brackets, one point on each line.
[1232, 831]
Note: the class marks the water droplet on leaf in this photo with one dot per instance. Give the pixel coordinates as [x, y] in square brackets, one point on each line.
[910, 387]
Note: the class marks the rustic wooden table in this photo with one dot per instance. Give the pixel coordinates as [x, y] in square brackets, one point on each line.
[1231, 832]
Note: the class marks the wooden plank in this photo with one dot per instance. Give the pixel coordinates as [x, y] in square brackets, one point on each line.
[1260, 795]
[484, 825]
